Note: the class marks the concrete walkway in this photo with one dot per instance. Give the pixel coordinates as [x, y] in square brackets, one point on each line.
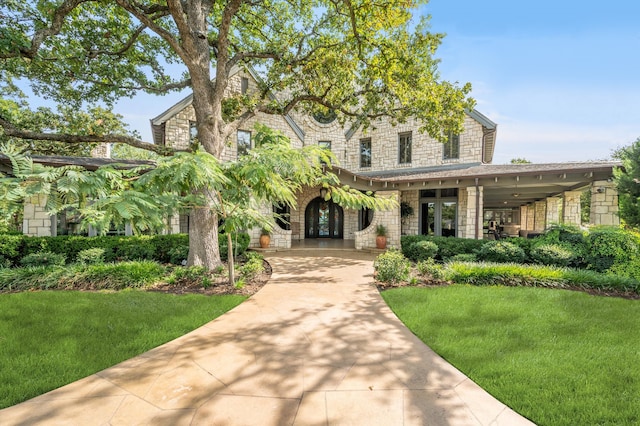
[316, 346]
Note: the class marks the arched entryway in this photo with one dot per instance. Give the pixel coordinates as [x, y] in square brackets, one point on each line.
[323, 219]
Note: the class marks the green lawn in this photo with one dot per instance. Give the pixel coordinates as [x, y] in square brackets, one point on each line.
[557, 357]
[48, 339]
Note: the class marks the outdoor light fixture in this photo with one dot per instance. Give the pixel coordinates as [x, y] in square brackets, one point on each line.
[516, 194]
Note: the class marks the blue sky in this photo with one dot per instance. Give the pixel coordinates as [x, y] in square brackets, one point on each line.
[561, 78]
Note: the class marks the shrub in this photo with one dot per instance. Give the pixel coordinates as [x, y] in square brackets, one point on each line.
[501, 251]
[114, 276]
[430, 268]
[391, 267]
[464, 257]
[186, 275]
[11, 247]
[45, 258]
[421, 250]
[4, 262]
[252, 267]
[536, 275]
[553, 254]
[447, 246]
[134, 248]
[39, 277]
[91, 256]
[178, 254]
[608, 246]
[240, 243]
[169, 246]
[629, 269]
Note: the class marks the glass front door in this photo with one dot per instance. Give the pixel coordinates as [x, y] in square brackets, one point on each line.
[323, 219]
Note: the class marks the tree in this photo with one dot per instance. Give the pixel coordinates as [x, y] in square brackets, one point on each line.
[519, 161]
[362, 59]
[627, 179]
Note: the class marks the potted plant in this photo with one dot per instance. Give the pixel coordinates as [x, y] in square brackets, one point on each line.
[265, 238]
[381, 236]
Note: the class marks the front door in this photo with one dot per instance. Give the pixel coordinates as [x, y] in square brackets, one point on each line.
[323, 219]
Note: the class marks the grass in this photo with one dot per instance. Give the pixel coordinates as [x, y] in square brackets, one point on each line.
[49, 339]
[557, 357]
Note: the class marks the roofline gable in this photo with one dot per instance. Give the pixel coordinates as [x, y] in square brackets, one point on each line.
[158, 122]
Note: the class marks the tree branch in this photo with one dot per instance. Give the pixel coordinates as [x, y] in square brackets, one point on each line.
[15, 132]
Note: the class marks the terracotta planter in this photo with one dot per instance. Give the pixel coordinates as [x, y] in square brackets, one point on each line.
[265, 240]
[381, 242]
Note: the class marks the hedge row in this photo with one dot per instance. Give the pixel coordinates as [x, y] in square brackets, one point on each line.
[161, 248]
[602, 249]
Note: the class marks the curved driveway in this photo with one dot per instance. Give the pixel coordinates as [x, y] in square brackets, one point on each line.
[316, 346]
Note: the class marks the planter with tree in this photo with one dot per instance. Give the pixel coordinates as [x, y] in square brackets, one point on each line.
[381, 237]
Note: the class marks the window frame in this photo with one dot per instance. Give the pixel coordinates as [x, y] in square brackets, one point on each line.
[448, 151]
[248, 148]
[405, 140]
[361, 155]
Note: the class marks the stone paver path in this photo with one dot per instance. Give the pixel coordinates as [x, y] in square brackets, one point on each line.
[316, 346]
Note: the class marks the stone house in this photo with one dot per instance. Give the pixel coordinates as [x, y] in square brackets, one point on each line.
[450, 189]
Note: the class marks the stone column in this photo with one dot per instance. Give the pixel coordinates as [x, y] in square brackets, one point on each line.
[172, 225]
[571, 208]
[470, 208]
[36, 221]
[523, 217]
[553, 213]
[531, 217]
[540, 208]
[604, 203]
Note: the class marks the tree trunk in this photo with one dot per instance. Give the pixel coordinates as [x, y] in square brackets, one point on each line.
[232, 270]
[203, 238]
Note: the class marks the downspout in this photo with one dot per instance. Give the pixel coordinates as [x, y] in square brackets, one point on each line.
[477, 211]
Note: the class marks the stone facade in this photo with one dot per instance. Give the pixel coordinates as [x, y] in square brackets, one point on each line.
[604, 203]
[571, 210]
[468, 214]
[366, 239]
[36, 221]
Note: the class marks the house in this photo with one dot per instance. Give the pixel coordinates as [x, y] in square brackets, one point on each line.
[449, 189]
[452, 189]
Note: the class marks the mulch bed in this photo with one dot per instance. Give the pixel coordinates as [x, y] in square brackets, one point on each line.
[219, 284]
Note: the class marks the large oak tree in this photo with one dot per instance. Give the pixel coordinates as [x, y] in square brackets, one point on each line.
[363, 59]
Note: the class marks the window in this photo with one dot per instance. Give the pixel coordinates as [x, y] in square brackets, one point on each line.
[451, 149]
[404, 148]
[325, 144]
[365, 152]
[244, 142]
[244, 85]
[193, 132]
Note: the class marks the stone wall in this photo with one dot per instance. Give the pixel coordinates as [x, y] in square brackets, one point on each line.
[389, 218]
[553, 210]
[604, 203]
[467, 213]
[36, 221]
[571, 208]
[410, 224]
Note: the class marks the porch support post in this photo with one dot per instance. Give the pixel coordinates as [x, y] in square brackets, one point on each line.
[604, 203]
[36, 221]
[173, 225]
[540, 208]
[523, 217]
[553, 213]
[470, 210]
[571, 208]
[531, 217]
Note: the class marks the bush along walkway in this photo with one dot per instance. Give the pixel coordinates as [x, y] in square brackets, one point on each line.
[317, 345]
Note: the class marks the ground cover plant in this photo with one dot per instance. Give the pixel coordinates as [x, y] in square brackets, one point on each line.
[556, 357]
[52, 338]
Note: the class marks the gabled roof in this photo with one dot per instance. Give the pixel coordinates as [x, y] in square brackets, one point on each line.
[158, 123]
